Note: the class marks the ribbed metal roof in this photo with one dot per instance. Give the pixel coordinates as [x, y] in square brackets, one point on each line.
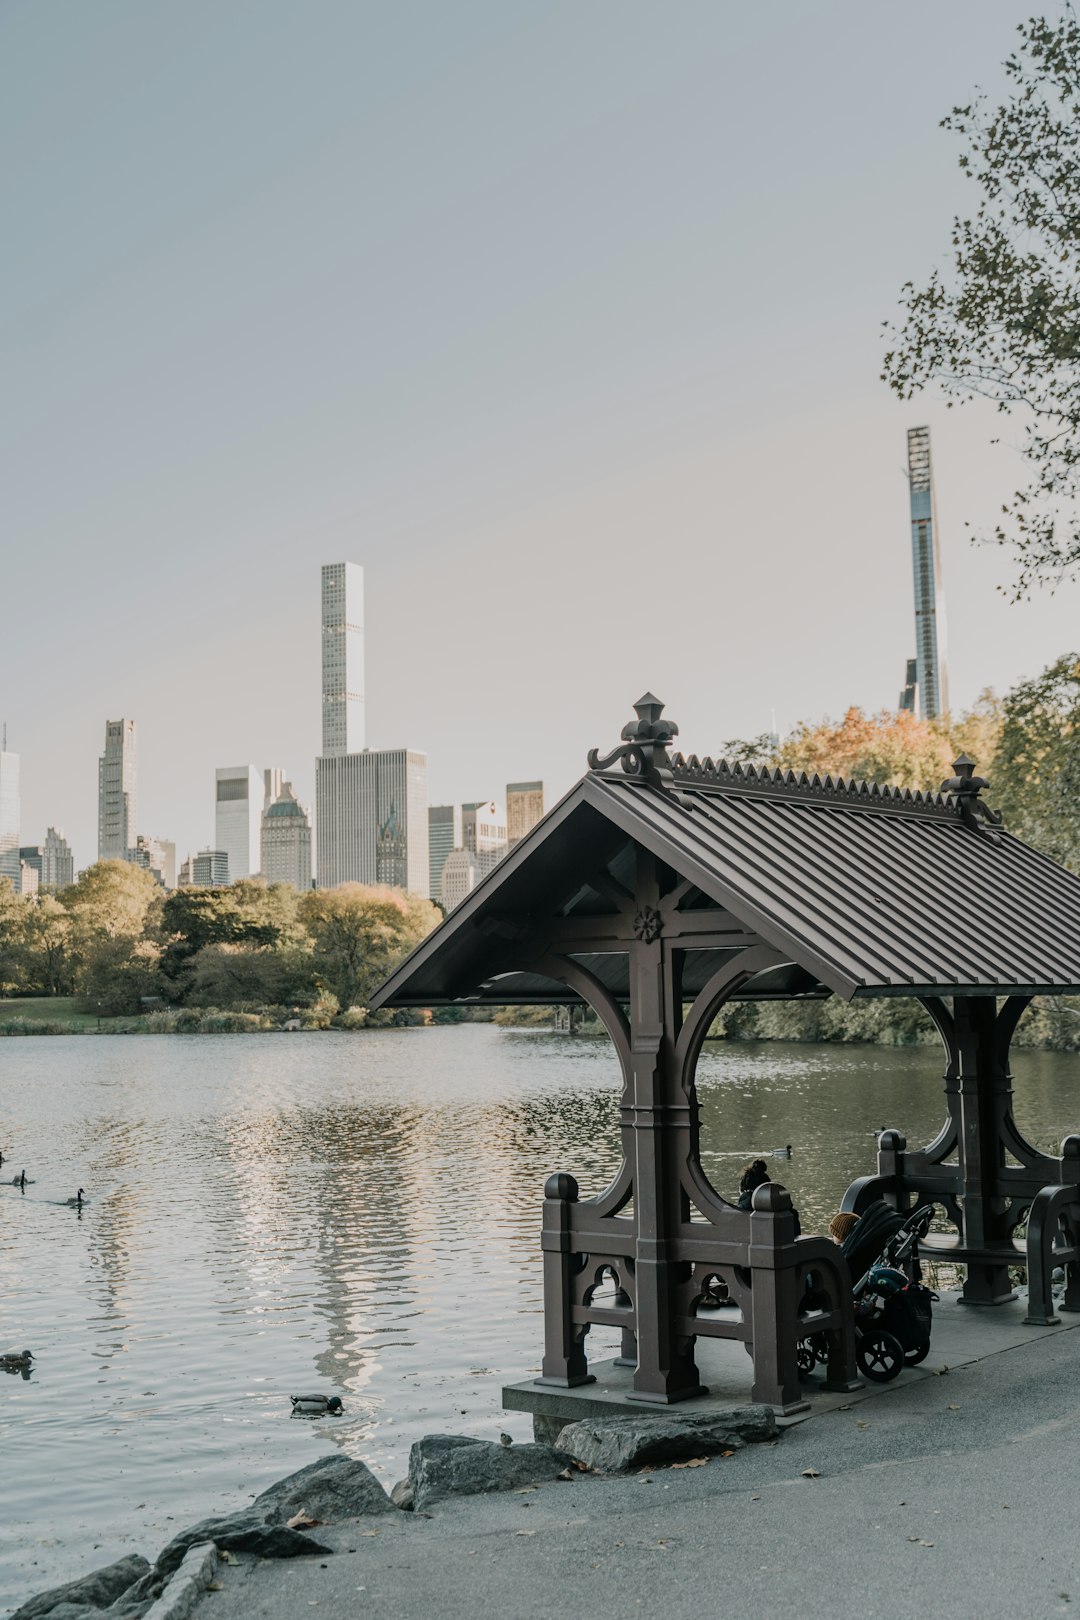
[865, 890]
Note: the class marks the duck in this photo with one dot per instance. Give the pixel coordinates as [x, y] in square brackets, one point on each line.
[782, 1153]
[16, 1360]
[76, 1202]
[20, 1181]
[316, 1405]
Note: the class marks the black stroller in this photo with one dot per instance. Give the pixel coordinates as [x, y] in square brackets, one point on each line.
[893, 1311]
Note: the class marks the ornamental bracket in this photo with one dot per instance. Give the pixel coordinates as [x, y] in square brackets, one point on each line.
[643, 752]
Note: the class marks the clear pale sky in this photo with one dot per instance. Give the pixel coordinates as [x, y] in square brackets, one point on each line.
[562, 319]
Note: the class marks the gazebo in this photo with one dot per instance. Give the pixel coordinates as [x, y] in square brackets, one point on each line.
[663, 886]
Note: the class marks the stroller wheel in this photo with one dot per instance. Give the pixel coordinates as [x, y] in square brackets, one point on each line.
[880, 1355]
[913, 1357]
[804, 1355]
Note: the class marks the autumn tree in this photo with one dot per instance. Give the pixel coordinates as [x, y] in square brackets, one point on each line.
[885, 747]
[1036, 782]
[359, 934]
[46, 946]
[113, 906]
[1003, 321]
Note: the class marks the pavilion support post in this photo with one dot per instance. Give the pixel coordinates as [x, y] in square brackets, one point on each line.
[666, 1370]
[775, 1303]
[564, 1363]
[984, 1105]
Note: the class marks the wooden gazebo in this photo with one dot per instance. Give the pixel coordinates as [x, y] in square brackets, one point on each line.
[660, 888]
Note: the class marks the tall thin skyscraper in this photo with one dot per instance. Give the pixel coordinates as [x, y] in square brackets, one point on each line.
[932, 677]
[342, 659]
[117, 772]
[10, 815]
[239, 796]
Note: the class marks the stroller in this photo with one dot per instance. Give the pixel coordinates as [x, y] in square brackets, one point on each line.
[893, 1311]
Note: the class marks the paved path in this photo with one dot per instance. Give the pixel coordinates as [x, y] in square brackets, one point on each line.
[953, 1496]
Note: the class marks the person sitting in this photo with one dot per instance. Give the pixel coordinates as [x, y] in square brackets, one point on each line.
[755, 1175]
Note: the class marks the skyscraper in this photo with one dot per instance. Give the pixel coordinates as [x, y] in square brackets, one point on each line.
[10, 814]
[117, 772]
[239, 794]
[371, 821]
[342, 659]
[932, 679]
[286, 841]
[156, 856]
[444, 835]
[483, 833]
[524, 808]
[58, 864]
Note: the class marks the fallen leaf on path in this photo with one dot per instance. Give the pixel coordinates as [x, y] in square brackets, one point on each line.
[810, 1473]
[952, 1407]
[861, 1424]
[524, 1490]
[755, 1499]
[375, 1532]
[567, 1473]
[696, 1462]
[525, 1532]
[727, 1454]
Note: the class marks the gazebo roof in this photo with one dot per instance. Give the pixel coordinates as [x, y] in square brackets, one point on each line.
[865, 890]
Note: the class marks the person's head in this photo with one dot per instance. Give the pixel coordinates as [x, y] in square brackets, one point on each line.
[755, 1174]
[841, 1225]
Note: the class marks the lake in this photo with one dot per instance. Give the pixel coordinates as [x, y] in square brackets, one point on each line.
[332, 1212]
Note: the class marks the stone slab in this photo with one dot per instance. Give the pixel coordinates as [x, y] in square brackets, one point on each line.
[960, 1336]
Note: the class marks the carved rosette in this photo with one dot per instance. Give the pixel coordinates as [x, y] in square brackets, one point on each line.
[648, 924]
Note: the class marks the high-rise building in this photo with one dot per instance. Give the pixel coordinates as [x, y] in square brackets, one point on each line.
[239, 792]
[286, 841]
[524, 808]
[909, 696]
[156, 856]
[209, 869]
[10, 814]
[342, 659]
[444, 835]
[29, 878]
[371, 822]
[932, 679]
[273, 782]
[459, 877]
[32, 856]
[483, 833]
[58, 864]
[117, 774]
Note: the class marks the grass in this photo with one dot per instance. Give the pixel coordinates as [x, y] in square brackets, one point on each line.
[48, 1010]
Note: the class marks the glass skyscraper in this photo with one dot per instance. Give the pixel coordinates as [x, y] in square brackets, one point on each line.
[117, 792]
[342, 659]
[932, 679]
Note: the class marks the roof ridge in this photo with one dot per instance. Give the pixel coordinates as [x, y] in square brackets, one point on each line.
[689, 770]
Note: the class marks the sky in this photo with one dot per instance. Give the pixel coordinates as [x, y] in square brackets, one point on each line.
[563, 320]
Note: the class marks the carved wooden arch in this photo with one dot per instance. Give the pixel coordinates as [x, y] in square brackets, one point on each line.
[728, 978]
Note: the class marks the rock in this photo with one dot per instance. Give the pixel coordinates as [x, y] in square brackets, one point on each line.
[240, 1532]
[185, 1588]
[402, 1495]
[95, 1591]
[547, 1429]
[330, 1488]
[615, 1444]
[442, 1465]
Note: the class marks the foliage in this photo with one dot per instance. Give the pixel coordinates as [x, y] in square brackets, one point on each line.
[1004, 322]
[46, 946]
[250, 913]
[885, 747]
[359, 933]
[1037, 776]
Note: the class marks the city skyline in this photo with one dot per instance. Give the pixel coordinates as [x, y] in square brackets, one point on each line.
[513, 454]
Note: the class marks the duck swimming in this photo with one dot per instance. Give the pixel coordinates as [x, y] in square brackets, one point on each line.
[17, 1360]
[316, 1405]
[76, 1202]
[782, 1153]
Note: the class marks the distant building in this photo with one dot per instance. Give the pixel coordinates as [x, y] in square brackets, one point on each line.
[32, 856]
[10, 814]
[273, 782]
[156, 856]
[209, 869]
[286, 841]
[117, 785]
[909, 696]
[58, 864]
[524, 808]
[29, 878]
[460, 875]
[932, 677]
[239, 792]
[371, 819]
[483, 832]
[342, 659]
[444, 835]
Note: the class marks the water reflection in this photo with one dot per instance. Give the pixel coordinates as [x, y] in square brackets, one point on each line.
[357, 1214]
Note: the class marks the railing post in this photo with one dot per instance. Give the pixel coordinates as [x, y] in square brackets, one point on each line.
[565, 1362]
[774, 1301]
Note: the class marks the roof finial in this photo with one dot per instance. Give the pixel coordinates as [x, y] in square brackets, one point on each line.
[965, 787]
[644, 749]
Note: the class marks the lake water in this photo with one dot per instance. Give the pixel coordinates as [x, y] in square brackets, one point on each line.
[350, 1213]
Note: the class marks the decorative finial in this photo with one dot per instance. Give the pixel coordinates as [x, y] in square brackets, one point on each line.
[965, 787]
[644, 749]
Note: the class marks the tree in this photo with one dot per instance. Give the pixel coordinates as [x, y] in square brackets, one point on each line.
[46, 947]
[249, 913]
[230, 975]
[118, 972]
[1036, 781]
[112, 906]
[1004, 323]
[885, 747]
[360, 933]
[12, 962]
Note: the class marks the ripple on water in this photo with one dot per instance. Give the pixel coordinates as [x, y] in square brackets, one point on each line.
[356, 1214]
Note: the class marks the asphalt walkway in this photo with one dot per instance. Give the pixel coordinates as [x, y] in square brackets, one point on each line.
[954, 1495]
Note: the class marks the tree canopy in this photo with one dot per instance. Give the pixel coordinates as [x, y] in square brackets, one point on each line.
[1003, 321]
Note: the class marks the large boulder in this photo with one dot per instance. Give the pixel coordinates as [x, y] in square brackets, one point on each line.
[613, 1444]
[247, 1532]
[94, 1591]
[442, 1465]
[331, 1488]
